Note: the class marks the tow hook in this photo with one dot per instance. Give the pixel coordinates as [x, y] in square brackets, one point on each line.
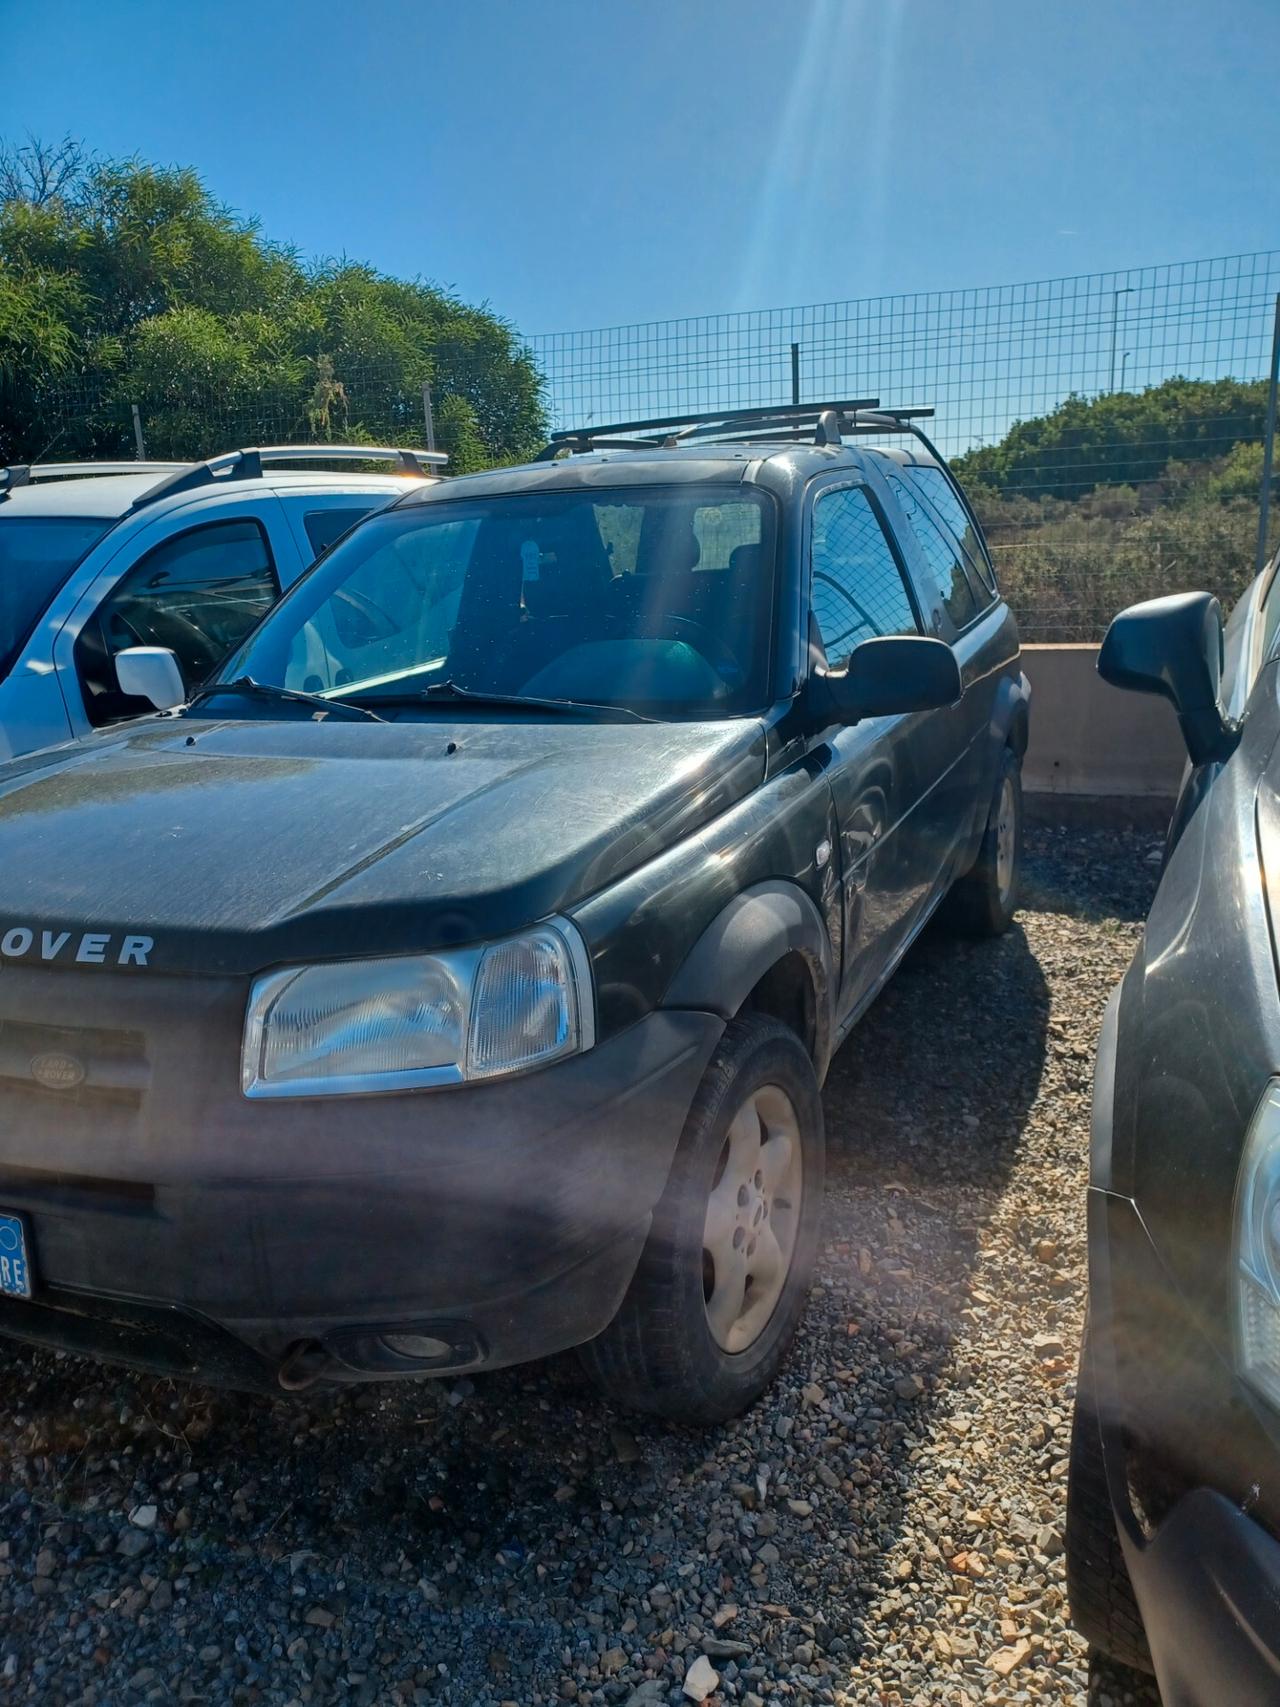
[303, 1366]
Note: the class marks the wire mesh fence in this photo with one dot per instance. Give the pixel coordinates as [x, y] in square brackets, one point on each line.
[341, 399]
[1108, 427]
[1119, 485]
[90, 418]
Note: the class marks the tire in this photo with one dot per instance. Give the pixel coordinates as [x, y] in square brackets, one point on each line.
[1103, 1607]
[661, 1353]
[983, 902]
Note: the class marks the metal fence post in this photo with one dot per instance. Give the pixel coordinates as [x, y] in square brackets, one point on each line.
[1268, 447]
[427, 415]
[137, 433]
[795, 373]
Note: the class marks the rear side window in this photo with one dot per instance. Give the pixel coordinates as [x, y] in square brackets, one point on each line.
[858, 590]
[942, 553]
[324, 526]
[199, 594]
[950, 507]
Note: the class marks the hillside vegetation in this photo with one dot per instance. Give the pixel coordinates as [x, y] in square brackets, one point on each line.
[1113, 499]
[123, 283]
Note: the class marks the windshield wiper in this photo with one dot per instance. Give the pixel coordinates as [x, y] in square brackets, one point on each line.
[451, 693]
[245, 687]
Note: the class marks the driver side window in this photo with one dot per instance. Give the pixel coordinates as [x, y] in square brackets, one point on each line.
[858, 589]
[198, 594]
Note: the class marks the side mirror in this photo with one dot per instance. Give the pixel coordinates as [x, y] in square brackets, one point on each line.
[898, 672]
[151, 672]
[1173, 646]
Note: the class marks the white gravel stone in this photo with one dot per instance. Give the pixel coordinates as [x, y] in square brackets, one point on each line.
[700, 1679]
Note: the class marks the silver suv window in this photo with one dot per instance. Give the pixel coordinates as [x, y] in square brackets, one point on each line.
[37, 554]
[324, 526]
[198, 594]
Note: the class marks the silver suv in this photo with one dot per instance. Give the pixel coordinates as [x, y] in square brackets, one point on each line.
[101, 558]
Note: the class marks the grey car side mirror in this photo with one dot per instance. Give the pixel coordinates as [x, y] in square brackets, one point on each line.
[151, 672]
[1173, 647]
[893, 673]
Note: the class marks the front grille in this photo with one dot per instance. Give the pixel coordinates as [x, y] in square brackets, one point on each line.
[113, 1064]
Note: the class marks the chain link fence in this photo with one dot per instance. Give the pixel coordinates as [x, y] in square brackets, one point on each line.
[1132, 486]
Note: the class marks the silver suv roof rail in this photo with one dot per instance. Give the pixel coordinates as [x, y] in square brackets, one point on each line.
[247, 464]
[232, 465]
[23, 473]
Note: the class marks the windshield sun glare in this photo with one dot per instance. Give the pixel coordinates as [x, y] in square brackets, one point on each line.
[654, 600]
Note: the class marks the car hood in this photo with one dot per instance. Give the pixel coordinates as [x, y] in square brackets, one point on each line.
[240, 845]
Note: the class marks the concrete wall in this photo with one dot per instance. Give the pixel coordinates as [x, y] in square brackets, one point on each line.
[1090, 739]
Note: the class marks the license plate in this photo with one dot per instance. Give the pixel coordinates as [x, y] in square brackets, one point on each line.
[15, 1264]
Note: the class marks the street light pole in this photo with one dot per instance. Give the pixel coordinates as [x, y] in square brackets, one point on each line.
[1123, 290]
[1124, 362]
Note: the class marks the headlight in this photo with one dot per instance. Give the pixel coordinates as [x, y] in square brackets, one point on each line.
[1258, 1251]
[406, 1022]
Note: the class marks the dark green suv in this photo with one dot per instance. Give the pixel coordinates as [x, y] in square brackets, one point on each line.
[451, 982]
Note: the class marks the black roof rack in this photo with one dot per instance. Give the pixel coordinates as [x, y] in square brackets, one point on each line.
[247, 464]
[860, 420]
[667, 431]
[811, 423]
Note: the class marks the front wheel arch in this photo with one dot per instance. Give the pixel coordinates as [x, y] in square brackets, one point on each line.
[755, 956]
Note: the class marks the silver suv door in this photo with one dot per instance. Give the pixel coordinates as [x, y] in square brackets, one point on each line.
[195, 579]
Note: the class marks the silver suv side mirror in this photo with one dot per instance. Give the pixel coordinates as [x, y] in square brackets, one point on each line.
[151, 672]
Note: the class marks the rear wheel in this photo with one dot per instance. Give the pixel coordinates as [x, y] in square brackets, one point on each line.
[984, 900]
[722, 1282]
[1103, 1607]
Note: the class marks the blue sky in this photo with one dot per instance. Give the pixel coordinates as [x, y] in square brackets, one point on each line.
[582, 163]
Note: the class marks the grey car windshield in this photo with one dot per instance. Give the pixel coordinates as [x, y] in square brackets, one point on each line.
[656, 599]
[37, 553]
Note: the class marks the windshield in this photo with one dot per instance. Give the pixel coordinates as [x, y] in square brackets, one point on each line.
[37, 553]
[655, 599]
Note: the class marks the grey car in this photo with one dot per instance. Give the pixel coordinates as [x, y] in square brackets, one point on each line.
[1173, 1530]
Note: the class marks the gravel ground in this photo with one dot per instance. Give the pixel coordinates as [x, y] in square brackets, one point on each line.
[885, 1527]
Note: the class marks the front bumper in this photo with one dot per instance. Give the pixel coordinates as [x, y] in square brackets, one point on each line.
[179, 1227]
[1208, 1585]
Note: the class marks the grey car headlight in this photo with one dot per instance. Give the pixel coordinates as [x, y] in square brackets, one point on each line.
[345, 1028]
[1257, 1245]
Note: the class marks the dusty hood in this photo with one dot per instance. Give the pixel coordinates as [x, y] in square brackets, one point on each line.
[236, 846]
